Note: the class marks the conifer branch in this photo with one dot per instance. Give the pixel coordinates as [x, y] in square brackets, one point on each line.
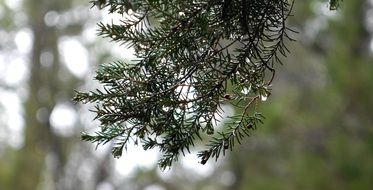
[193, 56]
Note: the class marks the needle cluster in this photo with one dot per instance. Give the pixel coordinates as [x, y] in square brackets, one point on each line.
[193, 56]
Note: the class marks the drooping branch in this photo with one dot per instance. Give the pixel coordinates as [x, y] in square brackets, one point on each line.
[193, 56]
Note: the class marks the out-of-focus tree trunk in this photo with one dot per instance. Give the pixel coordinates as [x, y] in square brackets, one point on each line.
[44, 86]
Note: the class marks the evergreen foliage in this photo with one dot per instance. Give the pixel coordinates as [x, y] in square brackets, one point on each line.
[334, 4]
[196, 56]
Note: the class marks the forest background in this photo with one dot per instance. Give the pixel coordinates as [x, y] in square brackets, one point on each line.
[318, 131]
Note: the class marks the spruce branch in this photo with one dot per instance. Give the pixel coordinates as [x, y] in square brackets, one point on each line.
[192, 57]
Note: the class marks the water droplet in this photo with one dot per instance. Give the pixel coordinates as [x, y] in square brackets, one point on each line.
[246, 91]
[263, 97]
[143, 46]
[163, 60]
[247, 60]
[130, 12]
[181, 14]
[166, 108]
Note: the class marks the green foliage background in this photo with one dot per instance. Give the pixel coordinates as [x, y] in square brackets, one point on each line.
[318, 131]
[317, 136]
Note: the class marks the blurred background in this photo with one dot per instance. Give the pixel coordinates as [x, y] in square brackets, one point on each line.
[318, 132]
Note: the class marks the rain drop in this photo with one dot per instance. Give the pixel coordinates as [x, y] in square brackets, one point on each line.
[263, 97]
[247, 60]
[163, 60]
[166, 108]
[130, 12]
[246, 91]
